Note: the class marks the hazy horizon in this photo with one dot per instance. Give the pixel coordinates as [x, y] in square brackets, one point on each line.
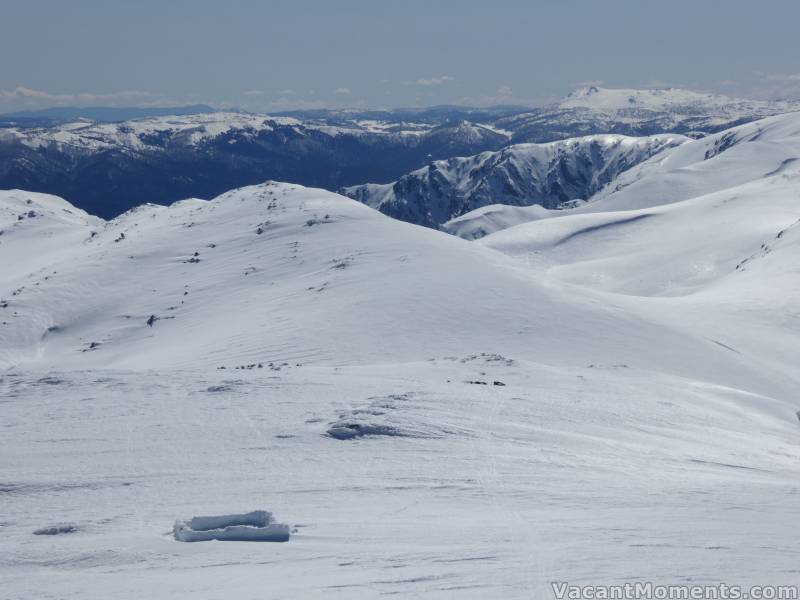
[356, 54]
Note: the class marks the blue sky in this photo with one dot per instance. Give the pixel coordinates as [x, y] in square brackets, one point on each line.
[273, 55]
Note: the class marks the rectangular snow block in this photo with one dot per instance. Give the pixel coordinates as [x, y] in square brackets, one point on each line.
[256, 526]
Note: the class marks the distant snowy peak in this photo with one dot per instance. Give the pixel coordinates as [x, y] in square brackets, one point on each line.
[669, 99]
[634, 112]
[465, 132]
[619, 99]
[520, 175]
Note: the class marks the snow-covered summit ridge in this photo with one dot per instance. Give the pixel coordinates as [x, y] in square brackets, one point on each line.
[666, 99]
[606, 98]
[188, 130]
[153, 131]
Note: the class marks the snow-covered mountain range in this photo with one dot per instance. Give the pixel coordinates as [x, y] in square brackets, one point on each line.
[545, 174]
[297, 247]
[304, 249]
[736, 156]
[107, 168]
[431, 415]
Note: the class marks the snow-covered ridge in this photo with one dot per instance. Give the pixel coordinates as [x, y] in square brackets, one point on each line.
[164, 159]
[280, 274]
[187, 130]
[191, 130]
[750, 152]
[521, 175]
[669, 99]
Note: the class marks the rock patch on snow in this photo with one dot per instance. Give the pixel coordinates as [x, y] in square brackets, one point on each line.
[385, 416]
[345, 430]
[56, 529]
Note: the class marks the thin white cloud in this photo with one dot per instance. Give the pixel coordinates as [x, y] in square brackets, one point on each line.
[279, 102]
[781, 77]
[504, 91]
[282, 104]
[774, 86]
[502, 95]
[24, 92]
[25, 97]
[342, 91]
[435, 80]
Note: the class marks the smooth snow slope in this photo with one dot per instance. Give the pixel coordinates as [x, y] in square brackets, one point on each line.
[485, 220]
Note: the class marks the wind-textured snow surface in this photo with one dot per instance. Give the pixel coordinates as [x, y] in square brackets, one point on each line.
[605, 394]
[595, 473]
